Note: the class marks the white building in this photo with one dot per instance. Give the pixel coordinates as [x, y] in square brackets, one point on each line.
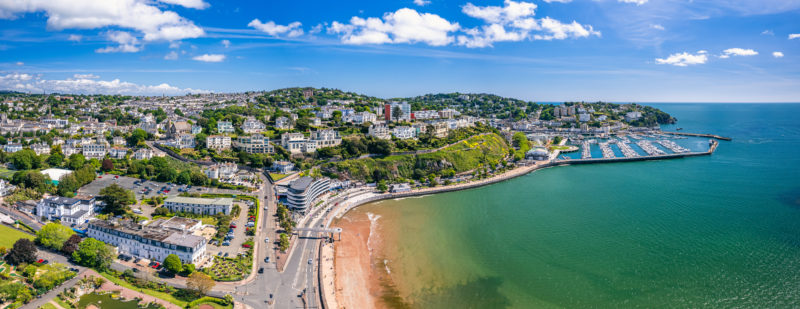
[218, 142]
[427, 114]
[202, 206]
[225, 127]
[283, 167]
[68, 210]
[154, 241]
[6, 188]
[379, 131]
[404, 132]
[10, 148]
[255, 143]
[252, 125]
[294, 142]
[96, 150]
[283, 123]
[40, 148]
[118, 152]
[304, 191]
[326, 138]
[632, 116]
[143, 154]
[364, 117]
[222, 170]
[584, 117]
[119, 140]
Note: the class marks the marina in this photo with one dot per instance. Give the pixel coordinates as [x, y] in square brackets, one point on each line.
[648, 147]
[607, 152]
[627, 150]
[672, 146]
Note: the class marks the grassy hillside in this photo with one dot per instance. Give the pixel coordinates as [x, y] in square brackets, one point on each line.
[463, 156]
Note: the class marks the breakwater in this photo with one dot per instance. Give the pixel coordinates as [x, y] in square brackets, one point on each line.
[723, 138]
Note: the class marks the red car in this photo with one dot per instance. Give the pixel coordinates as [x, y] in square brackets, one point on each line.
[40, 261]
[246, 246]
[156, 265]
[233, 226]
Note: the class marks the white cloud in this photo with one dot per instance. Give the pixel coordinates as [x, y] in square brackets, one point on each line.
[86, 84]
[175, 44]
[684, 59]
[127, 43]
[794, 36]
[192, 4]
[173, 55]
[20, 63]
[210, 58]
[509, 12]
[291, 30]
[75, 37]
[403, 26]
[657, 26]
[422, 2]
[561, 31]
[637, 2]
[316, 29]
[777, 54]
[561, 1]
[738, 52]
[767, 32]
[226, 43]
[141, 15]
[514, 21]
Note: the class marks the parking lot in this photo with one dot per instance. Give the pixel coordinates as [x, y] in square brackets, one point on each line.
[239, 236]
[103, 181]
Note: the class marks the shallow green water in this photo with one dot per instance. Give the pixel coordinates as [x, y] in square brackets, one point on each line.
[106, 301]
[713, 231]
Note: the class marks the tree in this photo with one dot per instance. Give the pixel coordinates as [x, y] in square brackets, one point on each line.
[167, 174]
[117, 199]
[93, 253]
[107, 165]
[173, 263]
[76, 161]
[397, 112]
[200, 282]
[381, 147]
[53, 235]
[284, 242]
[184, 177]
[23, 251]
[382, 186]
[137, 136]
[55, 159]
[161, 211]
[25, 159]
[71, 244]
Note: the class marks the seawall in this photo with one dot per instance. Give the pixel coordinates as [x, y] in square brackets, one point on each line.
[700, 135]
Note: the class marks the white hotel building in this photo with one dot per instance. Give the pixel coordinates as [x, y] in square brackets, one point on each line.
[154, 241]
[303, 191]
[202, 206]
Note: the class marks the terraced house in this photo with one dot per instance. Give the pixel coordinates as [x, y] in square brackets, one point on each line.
[201, 206]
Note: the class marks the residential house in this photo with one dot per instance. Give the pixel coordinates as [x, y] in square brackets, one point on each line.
[218, 142]
[225, 127]
[252, 125]
[255, 143]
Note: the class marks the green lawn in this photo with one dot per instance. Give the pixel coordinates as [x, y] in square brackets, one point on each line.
[6, 173]
[48, 306]
[276, 177]
[62, 303]
[156, 294]
[8, 236]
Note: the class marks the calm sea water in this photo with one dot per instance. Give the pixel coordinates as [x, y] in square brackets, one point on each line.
[711, 231]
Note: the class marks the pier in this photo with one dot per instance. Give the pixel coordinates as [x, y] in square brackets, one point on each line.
[722, 138]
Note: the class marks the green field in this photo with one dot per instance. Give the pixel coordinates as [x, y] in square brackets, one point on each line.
[277, 177]
[8, 236]
[6, 173]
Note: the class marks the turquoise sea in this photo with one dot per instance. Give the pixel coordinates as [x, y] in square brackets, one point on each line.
[709, 231]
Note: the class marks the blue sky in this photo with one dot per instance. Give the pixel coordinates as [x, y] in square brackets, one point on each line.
[543, 50]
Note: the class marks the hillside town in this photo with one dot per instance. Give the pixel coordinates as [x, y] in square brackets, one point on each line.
[221, 186]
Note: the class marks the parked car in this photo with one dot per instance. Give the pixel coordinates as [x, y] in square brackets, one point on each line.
[266, 260]
[261, 270]
[266, 239]
[310, 261]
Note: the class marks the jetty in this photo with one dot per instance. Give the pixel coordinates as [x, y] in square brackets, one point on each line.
[722, 138]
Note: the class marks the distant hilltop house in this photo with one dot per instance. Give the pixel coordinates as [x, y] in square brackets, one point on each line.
[11, 148]
[119, 140]
[380, 131]
[255, 143]
[252, 125]
[282, 167]
[6, 188]
[225, 127]
[222, 171]
[632, 116]
[178, 128]
[143, 154]
[283, 123]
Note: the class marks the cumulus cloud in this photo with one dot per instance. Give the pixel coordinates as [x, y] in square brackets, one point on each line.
[86, 84]
[637, 2]
[657, 26]
[422, 2]
[209, 58]
[684, 59]
[738, 52]
[291, 30]
[173, 55]
[75, 37]
[561, 1]
[226, 43]
[777, 54]
[514, 21]
[127, 43]
[403, 26]
[192, 4]
[140, 15]
[794, 36]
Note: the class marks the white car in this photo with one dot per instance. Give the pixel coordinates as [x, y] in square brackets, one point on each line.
[266, 239]
[310, 261]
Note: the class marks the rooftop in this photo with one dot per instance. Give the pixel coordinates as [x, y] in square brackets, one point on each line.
[301, 184]
[224, 201]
